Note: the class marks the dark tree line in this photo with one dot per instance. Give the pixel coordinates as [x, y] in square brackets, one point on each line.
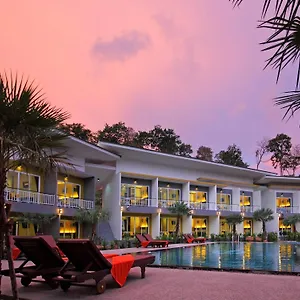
[280, 152]
[159, 139]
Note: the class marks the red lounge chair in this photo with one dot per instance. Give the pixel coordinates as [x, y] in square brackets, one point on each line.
[152, 240]
[145, 243]
[47, 262]
[89, 263]
[16, 252]
[190, 239]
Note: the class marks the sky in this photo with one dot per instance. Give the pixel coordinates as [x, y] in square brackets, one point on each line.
[194, 66]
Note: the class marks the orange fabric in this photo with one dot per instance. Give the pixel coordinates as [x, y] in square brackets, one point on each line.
[15, 252]
[145, 244]
[189, 240]
[110, 255]
[121, 266]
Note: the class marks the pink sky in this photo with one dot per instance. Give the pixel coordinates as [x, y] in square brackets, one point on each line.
[193, 66]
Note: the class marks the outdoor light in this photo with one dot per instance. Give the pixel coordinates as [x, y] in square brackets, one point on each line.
[191, 212]
[159, 210]
[122, 208]
[60, 211]
[98, 179]
[168, 185]
[66, 178]
[135, 181]
[196, 189]
[127, 207]
[242, 214]
[218, 213]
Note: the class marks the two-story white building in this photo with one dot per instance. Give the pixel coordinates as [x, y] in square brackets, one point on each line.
[138, 186]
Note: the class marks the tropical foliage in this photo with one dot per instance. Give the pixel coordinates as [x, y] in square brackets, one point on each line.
[292, 221]
[234, 220]
[232, 156]
[263, 215]
[91, 217]
[179, 209]
[28, 136]
[281, 19]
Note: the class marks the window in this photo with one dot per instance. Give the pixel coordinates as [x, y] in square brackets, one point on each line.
[134, 191]
[66, 189]
[283, 202]
[132, 225]
[68, 229]
[200, 226]
[245, 200]
[168, 225]
[224, 227]
[169, 194]
[198, 196]
[248, 227]
[223, 198]
[23, 181]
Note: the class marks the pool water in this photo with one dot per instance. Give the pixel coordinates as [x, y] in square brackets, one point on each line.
[283, 257]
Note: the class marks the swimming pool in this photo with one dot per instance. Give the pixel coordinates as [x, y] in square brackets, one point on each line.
[282, 257]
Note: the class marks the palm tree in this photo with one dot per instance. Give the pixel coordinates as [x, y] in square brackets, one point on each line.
[28, 136]
[283, 23]
[91, 217]
[263, 215]
[292, 221]
[180, 209]
[233, 220]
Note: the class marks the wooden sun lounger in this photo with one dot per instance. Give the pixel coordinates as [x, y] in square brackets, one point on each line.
[190, 239]
[89, 263]
[143, 242]
[151, 239]
[47, 261]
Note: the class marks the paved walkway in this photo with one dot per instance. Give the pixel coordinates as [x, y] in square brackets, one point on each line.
[176, 285]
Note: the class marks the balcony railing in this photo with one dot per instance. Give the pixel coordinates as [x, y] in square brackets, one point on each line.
[75, 203]
[228, 207]
[167, 203]
[202, 205]
[288, 210]
[251, 208]
[126, 201]
[23, 196]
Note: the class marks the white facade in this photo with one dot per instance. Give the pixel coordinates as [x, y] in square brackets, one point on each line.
[160, 171]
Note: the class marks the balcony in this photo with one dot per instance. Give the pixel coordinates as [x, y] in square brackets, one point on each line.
[288, 210]
[22, 196]
[250, 209]
[228, 207]
[75, 203]
[201, 205]
[167, 203]
[125, 201]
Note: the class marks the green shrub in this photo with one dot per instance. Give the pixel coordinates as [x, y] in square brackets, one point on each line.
[212, 237]
[272, 237]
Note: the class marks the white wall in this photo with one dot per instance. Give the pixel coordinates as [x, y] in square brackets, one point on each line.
[212, 197]
[154, 192]
[269, 201]
[257, 199]
[155, 225]
[187, 222]
[296, 201]
[214, 225]
[111, 202]
[236, 196]
[186, 192]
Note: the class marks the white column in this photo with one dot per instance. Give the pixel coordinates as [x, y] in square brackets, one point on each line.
[256, 198]
[240, 228]
[214, 225]
[186, 192]
[296, 202]
[111, 202]
[269, 201]
[154, 192]
[187, 222]
[212, 197]
[155, 225]
[236, 195]
[257, 227]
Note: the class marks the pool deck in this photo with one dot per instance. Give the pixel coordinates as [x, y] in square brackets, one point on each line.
[176, 285]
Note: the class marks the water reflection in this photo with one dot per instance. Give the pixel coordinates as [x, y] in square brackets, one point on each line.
[256, 256]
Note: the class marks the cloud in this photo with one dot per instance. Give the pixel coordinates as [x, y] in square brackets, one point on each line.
[121, 47]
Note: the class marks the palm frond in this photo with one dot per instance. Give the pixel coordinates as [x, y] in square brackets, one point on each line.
[285, 42]
[289, 102]
[282, 8]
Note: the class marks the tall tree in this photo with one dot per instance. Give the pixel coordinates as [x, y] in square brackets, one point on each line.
[263, 215]
[281, 19]
[280, 148]
[78, 130]
[117, 133]
[234, 220]
[261, 151]
[205, 153]
[185, 150]
[232, 156]
[292, 161]
[27, 132]
[292, 221]
[180, 209]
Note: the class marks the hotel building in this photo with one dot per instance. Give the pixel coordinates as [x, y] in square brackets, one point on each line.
[138, 186]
